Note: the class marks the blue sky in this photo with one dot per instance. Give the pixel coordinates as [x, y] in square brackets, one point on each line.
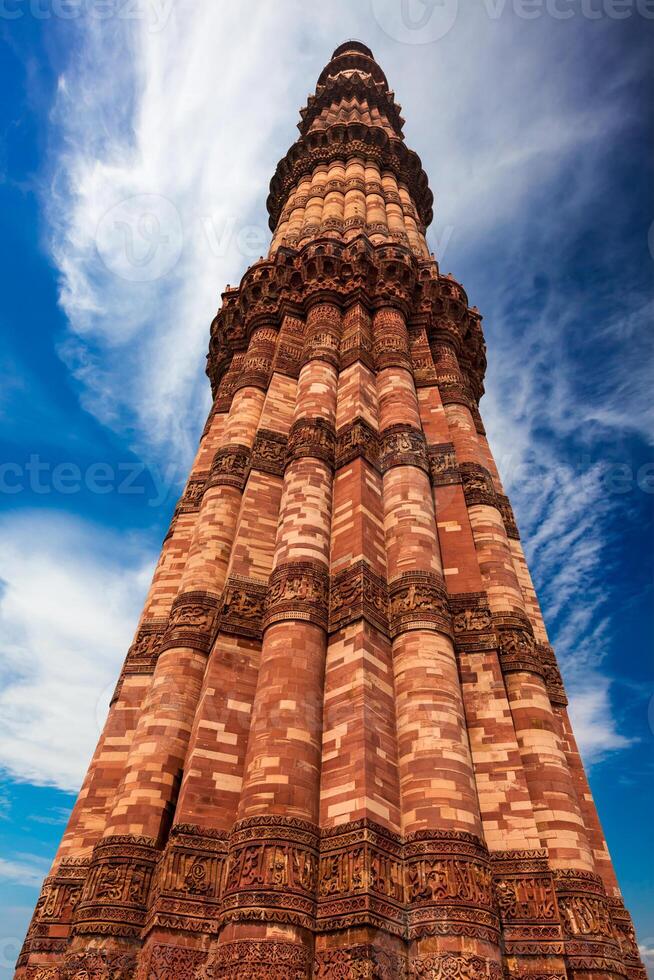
[532, 122]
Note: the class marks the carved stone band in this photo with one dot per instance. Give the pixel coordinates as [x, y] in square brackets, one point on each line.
[449, 886]
[508, 517]
[358, 593]
[524, 890]
[403, 445]
[272, 871]
[253, 959]
[552, 674]
[314, 438]
[472, 622]
[269, 452]
[361, 880]
[443, 466]
[357, 440]
[115, 895]
[418, 600]
[190, 880]
[477, 485]
[189, 502]
[60, 895]
[230, 467]
[518, 652]
[242, 608]
[192, 622]
[298, 591]
[590, 942]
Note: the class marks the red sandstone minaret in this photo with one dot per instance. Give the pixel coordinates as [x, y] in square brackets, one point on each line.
[339, 745]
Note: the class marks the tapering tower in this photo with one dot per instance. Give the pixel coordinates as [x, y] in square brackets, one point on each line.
[339, 745]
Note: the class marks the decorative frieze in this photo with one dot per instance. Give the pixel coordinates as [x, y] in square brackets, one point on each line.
[403, 445]
[590, 941]
[508, 517]
[189, 882]
[358, 593]
[472, 622]
[115, 895]
[298, 591]
[361, 879]
[390, 343]
[525, 895]
[454, 966]
[518, 653]
[313, 438]
[363, 962]
[356, 342]
[418, 600]
[192, 622]
[449, 886]
[443, 467]
[357, 440]
[477, 485]
[272, 871]
[98, 964]
[323, 334]
[269, 452]
[625, 936]
[60, 895]
[552, 674]
[243, 606]
[252, 959]
[191, 499]
[230, 467]
[165, 961]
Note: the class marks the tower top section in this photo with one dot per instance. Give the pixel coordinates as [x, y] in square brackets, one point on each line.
[353, 113]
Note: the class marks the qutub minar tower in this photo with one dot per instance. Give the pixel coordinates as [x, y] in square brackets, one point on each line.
[339, 745]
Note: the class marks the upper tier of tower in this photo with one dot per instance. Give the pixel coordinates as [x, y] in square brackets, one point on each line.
[350, 171]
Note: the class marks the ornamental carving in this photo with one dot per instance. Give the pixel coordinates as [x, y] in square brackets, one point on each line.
[358, 593]
[418, 600]
[585, 916]
[313, 438]
[357, 440]
[508, 517]
[552, 675]
[167, 962]
[403, 445]
[449, 886]
[230, 467]
[390, 341]
[298, 590]
[472, 621]
[98, 964]
[243, 606]
[454, 966]
[191, 499]
[443, 467]
[115, 894]
[361, 880]
[365, 962]
[518, 652]
[323, 329]
[477, 485]
[356, 341]
[269, 452]
[192, 622]
[143, 654]
[251, 959]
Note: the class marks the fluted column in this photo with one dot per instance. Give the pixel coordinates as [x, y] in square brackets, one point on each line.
[274, 847]
[440, 811]
[145, 799]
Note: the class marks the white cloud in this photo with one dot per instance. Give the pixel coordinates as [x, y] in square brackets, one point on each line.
[593, 722]
[27, 869]
[70, 600]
